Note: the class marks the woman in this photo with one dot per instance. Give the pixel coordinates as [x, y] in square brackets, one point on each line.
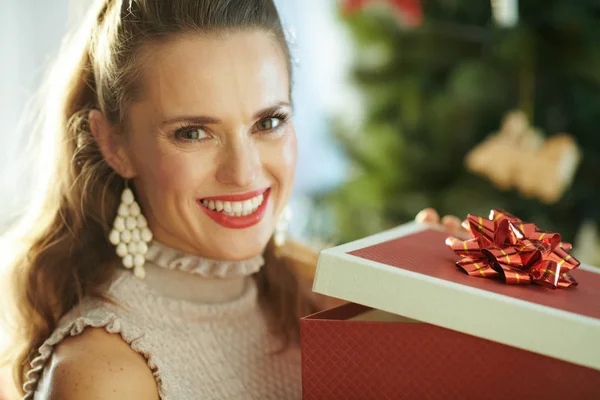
[150, 271]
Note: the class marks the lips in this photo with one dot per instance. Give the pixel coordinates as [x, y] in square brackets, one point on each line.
[227, 210]
[238, 197]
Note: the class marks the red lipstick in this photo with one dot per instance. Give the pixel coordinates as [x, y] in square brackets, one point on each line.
[233, 222]
[238, 197]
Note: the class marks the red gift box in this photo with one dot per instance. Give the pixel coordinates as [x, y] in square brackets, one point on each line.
[424, 330]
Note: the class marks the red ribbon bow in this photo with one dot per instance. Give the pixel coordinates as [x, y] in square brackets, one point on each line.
[518, 251]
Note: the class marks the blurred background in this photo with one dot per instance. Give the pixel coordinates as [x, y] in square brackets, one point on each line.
[400, 105]
[471, 106]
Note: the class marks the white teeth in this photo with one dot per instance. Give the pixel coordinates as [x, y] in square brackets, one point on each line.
[235, 208]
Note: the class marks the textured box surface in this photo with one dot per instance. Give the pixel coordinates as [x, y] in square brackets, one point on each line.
[409, 271]
[344, 359]
[479, 338]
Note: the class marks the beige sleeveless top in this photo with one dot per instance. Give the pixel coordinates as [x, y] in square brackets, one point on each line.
[214, 349]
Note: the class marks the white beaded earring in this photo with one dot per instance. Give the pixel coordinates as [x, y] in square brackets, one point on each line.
[281, 228]
[130, 234]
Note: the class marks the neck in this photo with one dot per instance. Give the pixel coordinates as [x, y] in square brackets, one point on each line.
[180, 285]
[176, 274]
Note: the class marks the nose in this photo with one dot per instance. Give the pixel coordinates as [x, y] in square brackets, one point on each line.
[240, 165]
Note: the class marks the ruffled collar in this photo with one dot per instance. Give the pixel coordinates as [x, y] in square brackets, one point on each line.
[169, 258]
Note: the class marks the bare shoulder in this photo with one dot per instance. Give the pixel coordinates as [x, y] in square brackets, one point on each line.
[96, 365]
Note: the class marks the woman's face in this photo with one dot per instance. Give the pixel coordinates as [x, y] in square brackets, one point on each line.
[211, 143]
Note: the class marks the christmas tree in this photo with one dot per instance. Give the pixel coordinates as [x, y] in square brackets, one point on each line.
[433, 91]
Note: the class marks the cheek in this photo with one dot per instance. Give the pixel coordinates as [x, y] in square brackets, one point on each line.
[284, 168]
[166, 173]
[286, 159]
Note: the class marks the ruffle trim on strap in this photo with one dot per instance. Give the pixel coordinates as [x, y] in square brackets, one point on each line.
[112, 324]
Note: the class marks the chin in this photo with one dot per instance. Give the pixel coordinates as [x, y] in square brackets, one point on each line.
[238, 246]
[241, 253]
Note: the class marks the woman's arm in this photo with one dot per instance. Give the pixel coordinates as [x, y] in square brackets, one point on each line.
[96, 365]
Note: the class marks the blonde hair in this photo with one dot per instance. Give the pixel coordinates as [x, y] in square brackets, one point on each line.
[64, 251]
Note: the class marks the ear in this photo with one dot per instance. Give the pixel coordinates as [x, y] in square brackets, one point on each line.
[112, 144]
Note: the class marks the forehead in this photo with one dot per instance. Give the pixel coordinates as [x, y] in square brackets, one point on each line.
[243, 70]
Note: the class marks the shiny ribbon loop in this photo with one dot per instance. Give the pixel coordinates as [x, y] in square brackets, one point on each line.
[518, 252]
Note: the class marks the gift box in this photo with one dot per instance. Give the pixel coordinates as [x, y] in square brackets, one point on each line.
[417, 327]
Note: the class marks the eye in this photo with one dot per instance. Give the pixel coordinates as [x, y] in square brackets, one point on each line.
[269, 123]
[191, 134]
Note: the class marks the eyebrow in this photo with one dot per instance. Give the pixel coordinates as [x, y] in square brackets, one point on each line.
[206, 120]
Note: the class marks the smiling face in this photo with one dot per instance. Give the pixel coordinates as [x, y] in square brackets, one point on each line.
[210, 142]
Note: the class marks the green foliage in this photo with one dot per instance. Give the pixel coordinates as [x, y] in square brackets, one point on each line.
[434, 92]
